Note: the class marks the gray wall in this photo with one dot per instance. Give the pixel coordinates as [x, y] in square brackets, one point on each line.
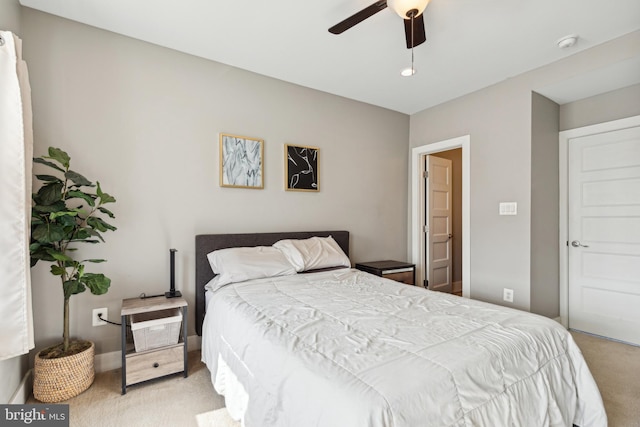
[499, 121]
[145, 121]
[614, 105]
[545, 273]
[10, 16]
[11, 370]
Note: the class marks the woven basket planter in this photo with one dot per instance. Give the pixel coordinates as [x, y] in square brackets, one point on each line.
[59, 379]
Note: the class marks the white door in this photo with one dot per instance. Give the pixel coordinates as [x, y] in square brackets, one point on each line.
[438, 229]
[604, 234]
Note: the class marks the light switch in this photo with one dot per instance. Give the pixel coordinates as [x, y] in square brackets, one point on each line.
[508, 208]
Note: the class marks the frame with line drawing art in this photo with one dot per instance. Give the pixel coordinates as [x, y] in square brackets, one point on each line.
[241, 161]
[301, 164]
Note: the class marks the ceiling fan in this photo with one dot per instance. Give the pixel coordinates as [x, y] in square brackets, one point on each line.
[409, 10]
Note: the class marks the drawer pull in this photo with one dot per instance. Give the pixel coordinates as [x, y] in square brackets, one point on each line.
[155, 365]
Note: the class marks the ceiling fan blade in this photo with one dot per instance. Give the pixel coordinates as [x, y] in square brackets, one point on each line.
[419, 35]
[358, 17]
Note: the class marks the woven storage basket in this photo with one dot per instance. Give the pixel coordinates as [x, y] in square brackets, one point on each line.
[55, 380]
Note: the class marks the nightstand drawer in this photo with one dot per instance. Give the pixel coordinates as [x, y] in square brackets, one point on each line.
[405, 277]
[153, 364]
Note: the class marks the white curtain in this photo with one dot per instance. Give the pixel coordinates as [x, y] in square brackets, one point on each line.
[16, 152]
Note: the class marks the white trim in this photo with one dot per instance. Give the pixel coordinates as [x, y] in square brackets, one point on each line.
[563, 238]
[113, 360]
[24, 390]
[417, 154]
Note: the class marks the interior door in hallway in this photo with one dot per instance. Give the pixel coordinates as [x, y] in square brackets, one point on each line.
[604, 234]
[438, 227]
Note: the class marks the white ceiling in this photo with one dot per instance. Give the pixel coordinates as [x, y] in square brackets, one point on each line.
[470, 44]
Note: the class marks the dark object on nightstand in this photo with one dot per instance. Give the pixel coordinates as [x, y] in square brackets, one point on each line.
[172, 286]
[395, 270]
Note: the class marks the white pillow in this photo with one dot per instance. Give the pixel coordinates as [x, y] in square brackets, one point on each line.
[313, 253]
[239, 264]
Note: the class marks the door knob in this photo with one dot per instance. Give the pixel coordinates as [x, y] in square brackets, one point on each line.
[577, 244]
[450, 235]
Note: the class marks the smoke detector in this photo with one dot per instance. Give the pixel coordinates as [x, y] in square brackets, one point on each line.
[567, 41]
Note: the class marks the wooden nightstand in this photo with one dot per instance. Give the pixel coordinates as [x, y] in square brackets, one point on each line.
[394, 270]
[139, 366]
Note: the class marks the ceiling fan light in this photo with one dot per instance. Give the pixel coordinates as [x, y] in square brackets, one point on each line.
[401, 7]
[408, 72]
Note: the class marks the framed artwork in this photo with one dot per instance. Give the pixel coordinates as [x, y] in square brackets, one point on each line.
[301, 164]
[241, 161]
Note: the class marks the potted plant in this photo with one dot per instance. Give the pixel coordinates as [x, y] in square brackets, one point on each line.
[66, 211]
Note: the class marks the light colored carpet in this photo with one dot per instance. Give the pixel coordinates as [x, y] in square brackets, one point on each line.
[177, 402]
[173, 401]
[616, 369]
[217, 418]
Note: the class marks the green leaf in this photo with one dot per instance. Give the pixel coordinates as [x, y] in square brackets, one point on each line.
[47, 233]
[59, 156]
[78, 179]
[94, 260]
[83, 241]
[57, 271]
[48, 163]
[85, 233]
[107, 212]
[99, 224]
[104, 197]
[68, 222]
[72, 287]
[55, 215]
[34, 246]
[72, 263]
[98, 284]
[89, 198]
[58, 206]
[59, 256]
[35, 219]
[48, 178]
[40, 254]
[50, 193]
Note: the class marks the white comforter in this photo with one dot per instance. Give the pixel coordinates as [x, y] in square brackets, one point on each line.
[349, 349]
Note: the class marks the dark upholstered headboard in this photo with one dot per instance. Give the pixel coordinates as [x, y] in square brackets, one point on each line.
[206, 243]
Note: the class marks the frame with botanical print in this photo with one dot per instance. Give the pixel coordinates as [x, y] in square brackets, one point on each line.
[241, 161]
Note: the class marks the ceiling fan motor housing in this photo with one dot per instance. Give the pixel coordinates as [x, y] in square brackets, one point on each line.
[405, 8]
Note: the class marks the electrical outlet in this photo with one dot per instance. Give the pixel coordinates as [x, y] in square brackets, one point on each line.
[96, 320]
[507, 295]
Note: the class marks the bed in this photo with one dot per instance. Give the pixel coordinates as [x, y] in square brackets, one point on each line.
[341, 347]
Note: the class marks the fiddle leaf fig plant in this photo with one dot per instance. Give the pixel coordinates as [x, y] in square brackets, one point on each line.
[68, 210]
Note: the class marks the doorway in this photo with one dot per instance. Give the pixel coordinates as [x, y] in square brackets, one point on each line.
[600, 229]
[418, 207]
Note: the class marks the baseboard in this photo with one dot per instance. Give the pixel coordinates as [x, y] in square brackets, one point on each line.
[113, 360]
[24, 390]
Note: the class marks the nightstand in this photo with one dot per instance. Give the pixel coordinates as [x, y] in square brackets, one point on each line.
[394, 270]
[156, 361]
